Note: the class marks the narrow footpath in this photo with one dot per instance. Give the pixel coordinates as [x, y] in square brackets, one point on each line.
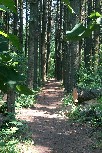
[52, 132]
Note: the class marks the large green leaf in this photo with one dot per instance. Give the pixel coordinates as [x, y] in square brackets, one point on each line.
[3, 34]
[9, 4]
[4, 8]
[95, 15]
[22, 89]
[3, 44]
[75, 33]
[3, 86]
[13, 38]
[68, 5]
[4, 58]
[7, 73]
[91, 27]
[15, 41]
[8, 77]
[79, 31]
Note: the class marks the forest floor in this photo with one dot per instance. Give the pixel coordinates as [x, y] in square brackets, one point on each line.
[51, 131]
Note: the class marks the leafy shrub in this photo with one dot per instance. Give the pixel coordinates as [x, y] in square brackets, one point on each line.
[3, 108]
[25, 101]
[12, 132]
[67, 99]
[89, 114]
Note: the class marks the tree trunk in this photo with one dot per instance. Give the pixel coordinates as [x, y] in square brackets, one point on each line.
[88, 41]
[30, 75]
[72, 50]
[11, 101]
[48, 33]
[35, 84]
[21, 24]
[96, 47]
[82, 95]
[58, 42]
[26, 30]
[15, 20]
[44, 41]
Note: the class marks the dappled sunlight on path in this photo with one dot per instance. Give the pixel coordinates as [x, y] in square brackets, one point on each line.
[52, 132]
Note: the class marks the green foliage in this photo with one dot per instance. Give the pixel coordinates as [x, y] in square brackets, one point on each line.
[90, 78]
[51, 64]
[23, 89]
[12, 132]
[67, 99]
[91, 114]
[3, 8]
[13, 39]
[8, 4]
[68, 5]
[3, 107]
[76, 32]
[9, 76]
[26, 100]
[80, 31]
[95, 15]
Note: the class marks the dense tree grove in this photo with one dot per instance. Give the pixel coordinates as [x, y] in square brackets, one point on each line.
[44, 39]
[58, 38]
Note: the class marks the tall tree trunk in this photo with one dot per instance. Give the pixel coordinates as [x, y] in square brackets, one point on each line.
[65, 55]
[96, 47]
[72, 50]
[11, 101]
[15, 20]
[48, 33]
[30, 75]
[35, 84]
[11, 92]
[26, 30]
[21, 23]
[88, 41]
[39, 43]
[44, 41]
[58, 42]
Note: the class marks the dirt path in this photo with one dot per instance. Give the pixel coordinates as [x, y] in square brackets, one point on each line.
[51, 132]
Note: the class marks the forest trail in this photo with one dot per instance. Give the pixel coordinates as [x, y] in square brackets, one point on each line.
[52, 132]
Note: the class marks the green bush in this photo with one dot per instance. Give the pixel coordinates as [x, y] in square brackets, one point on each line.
[67, 99]
[12, 132]
[26, 100]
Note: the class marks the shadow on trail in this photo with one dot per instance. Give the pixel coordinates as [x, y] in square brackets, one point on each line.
[57, 136]
[51, 132]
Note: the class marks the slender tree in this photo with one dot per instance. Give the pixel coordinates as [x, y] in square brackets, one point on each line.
[30, 76]
[58, 42]
[88, 41]
[48, 32]
[44, 40]
[21, 22]
[36, 33]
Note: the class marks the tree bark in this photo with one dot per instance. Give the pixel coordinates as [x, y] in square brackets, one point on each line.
[30, 76]
[82, 95]
[44, 41]
[11, 101]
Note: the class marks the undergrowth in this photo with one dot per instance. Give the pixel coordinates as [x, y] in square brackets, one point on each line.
[26, 100]
[88, 114]
[14, 131]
